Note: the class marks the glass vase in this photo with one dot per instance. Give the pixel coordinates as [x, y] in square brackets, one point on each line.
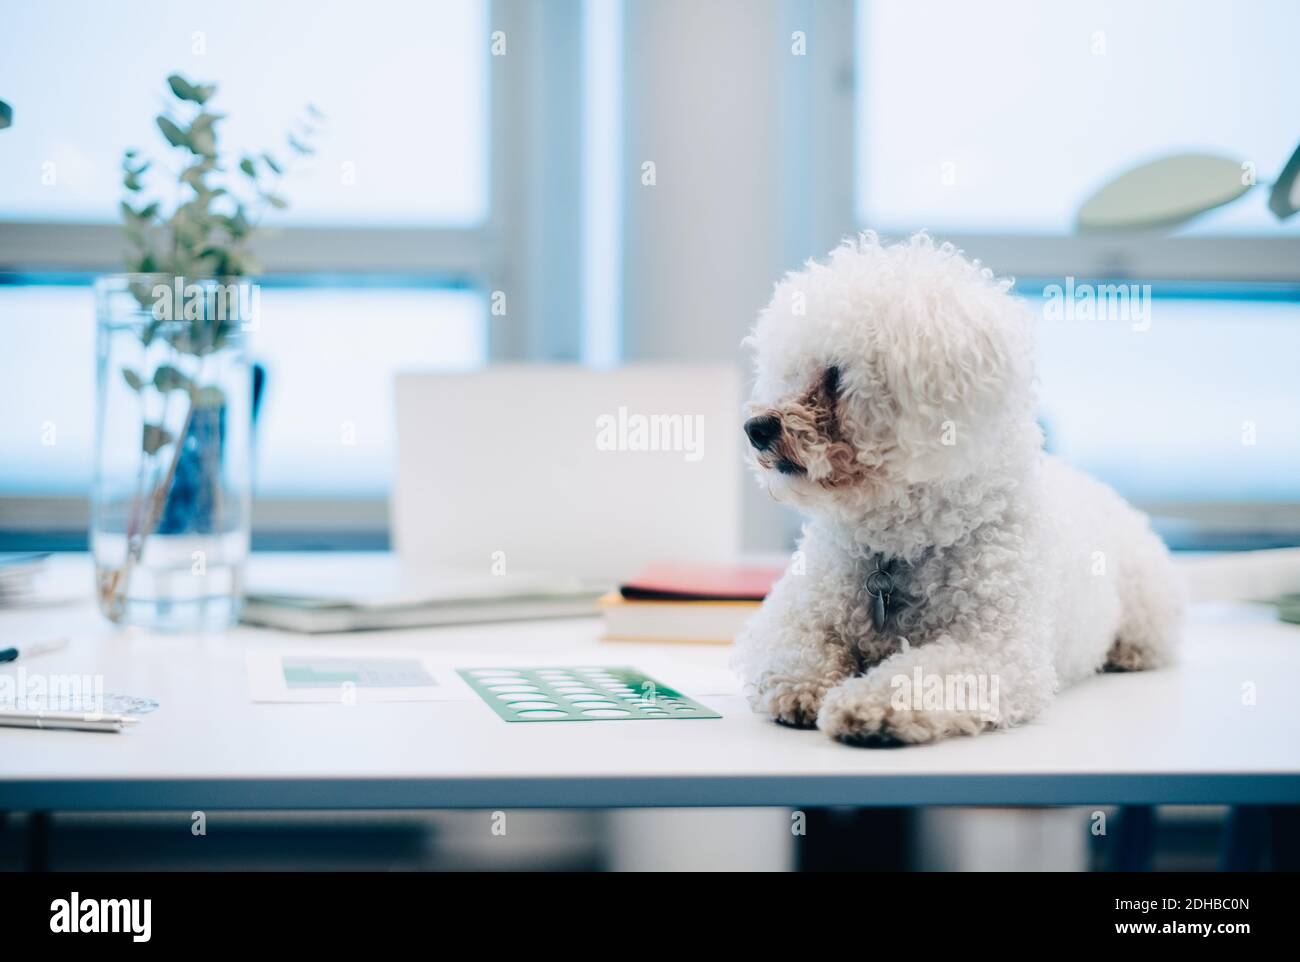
[170, 505]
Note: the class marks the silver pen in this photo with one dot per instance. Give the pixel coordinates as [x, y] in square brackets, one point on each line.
[79, 721]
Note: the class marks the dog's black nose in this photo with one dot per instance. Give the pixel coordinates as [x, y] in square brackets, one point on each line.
[763, 430]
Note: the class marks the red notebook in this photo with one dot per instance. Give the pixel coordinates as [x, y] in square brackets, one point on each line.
[696, 582]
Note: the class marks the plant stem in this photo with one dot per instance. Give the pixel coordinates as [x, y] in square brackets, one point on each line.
[119, 583]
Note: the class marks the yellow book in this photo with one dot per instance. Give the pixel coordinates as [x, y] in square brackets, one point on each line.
[698, 622]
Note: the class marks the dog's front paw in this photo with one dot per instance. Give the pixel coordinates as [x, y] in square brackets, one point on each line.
[857, 715]
[793, 704]
[861, 711]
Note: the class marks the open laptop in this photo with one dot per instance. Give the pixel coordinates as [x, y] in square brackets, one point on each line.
[556, 468]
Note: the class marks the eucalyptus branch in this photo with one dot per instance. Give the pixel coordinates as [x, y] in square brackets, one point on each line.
[205, 232]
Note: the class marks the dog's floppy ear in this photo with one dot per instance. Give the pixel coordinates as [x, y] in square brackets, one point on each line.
[957, 362]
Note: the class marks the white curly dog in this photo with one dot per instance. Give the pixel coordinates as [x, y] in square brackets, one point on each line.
[951, 576]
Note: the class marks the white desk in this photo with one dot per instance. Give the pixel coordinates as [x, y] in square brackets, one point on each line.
[1175, 736]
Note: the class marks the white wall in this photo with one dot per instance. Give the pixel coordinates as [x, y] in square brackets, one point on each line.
[731, 118]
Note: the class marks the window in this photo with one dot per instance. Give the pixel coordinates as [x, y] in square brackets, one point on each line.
[326, 427]
[1166, 414]
[990, 123]
[403, 86]
[444, 174]
[1004, 116]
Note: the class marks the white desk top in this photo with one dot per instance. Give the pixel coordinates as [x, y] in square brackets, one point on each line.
[1176, 736]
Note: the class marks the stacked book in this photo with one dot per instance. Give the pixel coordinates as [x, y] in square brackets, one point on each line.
[419, 598]
[706, 604]
[19, 575]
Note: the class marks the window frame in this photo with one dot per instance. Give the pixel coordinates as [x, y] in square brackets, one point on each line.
[535, 115]
[1148, 256]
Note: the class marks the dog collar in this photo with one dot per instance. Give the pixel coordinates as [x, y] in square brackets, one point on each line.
[887, 599]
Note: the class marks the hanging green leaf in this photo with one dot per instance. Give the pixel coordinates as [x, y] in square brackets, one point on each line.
[133, 380]
[236, 224]
[175, 136]
[155, 438]
[202, 135]
[168, 378]
[203, 143]
[183, 89]
[6, 115]
[193, 176]
[207, 232]
[150, 330]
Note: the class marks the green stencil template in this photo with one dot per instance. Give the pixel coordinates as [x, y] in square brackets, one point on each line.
[580, 694]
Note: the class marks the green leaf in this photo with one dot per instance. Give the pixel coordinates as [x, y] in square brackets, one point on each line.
[150, 331]
[194, 174]
[270, 162]
[299, 147]
[276, 201]
[6, 115]
[183, 89]
[204, 92]
[131, 174]
[203, 135]
[155, 438]
[246, 165]
[203, 142]
[175, 136]
[168, 378]
[133, 380]
[206, 264]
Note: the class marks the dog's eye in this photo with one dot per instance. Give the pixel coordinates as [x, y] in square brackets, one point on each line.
[831, 381]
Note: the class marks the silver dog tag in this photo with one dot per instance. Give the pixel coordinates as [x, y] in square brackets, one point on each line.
[880, 585]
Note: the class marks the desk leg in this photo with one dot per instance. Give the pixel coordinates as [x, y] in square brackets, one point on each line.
[1245, 839]
[855, 840]
[38, 842]
[1284, 829]
[1135, 839]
